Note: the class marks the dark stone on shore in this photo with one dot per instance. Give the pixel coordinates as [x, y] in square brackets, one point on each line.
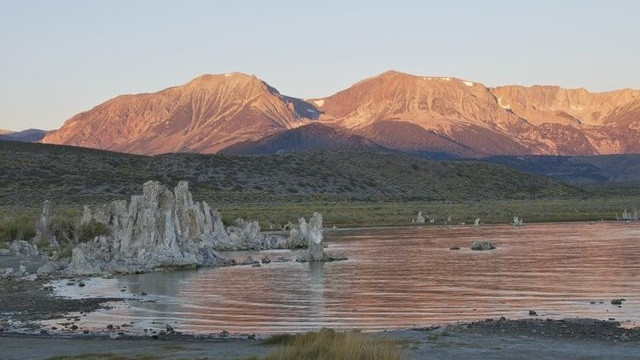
[266, 260]
[482, 246]
[573, 329]
[169, 328]
[109, 327]
[81, 284]
[532, 313]
[617, 301]
[143, 294]
[43, 331]
[74, 327]
[454, 248]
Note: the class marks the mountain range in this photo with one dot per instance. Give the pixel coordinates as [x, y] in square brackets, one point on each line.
[436, 116]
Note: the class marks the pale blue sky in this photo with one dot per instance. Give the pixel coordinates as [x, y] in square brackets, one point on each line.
[61, 57]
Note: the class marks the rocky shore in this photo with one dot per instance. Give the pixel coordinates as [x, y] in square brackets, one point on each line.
[27, 302]
[498, 339]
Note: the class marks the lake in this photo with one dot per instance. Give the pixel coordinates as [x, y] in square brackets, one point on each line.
[394, 278]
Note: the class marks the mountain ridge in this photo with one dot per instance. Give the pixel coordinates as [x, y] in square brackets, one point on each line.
[393, 110]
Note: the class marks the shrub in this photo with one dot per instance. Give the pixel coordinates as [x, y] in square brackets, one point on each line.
[65, 252]
[63, 228]
[42, 243]
[20, 228]
[328, 344]
[90, 230]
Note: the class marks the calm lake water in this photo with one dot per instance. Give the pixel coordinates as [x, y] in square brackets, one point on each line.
[395, 278]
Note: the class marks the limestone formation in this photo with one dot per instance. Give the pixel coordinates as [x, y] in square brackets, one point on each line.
[159, 228]
[419, 218]
[629, 216]
[312, 233]
[476, 222]
[42, 227]
[165, 229]
[517, 221]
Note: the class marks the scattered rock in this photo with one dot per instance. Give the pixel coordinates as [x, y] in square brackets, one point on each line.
[482, 245]
[266, 260]
[31, 277]
[532, 313]
[24, 248]
[248, 261]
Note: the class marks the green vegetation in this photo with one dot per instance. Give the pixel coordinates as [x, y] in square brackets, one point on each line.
[69, 175]
[90, 230]
[21, 227]
[349, 188]
[332, 345]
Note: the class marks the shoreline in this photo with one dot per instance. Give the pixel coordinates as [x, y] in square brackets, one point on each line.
[498, 339]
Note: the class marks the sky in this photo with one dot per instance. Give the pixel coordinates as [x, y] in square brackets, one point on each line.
[59, 58]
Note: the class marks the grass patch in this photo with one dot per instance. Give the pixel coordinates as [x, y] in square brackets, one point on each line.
[112, 356]
[19, 228]
[90, 230]
[331, 345]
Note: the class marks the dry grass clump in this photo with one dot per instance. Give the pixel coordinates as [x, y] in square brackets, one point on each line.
[332, 345]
